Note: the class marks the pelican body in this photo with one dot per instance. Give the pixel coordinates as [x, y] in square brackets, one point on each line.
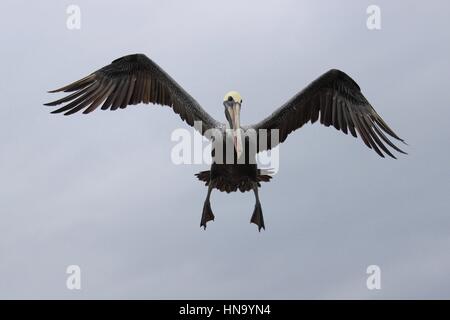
[334, 97]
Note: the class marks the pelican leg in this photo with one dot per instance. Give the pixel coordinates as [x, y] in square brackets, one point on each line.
[207, 214]
[257, 217]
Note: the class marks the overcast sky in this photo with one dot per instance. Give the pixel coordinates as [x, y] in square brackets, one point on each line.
[101, 192]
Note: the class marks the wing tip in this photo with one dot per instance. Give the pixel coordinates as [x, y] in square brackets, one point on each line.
[61, 110]
[54, 90]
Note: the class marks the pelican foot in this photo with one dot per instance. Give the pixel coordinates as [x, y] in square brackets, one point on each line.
[257, 217]
[207, 214]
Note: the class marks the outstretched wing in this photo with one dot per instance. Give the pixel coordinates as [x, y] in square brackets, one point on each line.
[338, 100]
[127, 81]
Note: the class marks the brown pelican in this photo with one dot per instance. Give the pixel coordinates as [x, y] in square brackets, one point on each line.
[135, 79]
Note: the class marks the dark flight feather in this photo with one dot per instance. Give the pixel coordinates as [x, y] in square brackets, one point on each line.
[338, 100]
[130, 80]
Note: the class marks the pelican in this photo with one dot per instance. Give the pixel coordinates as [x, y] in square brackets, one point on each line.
[135, 79]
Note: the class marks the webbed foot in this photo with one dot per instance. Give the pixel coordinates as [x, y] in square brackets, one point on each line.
[207, 214]
[257, 217]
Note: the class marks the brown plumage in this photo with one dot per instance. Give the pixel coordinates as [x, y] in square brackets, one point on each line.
[338, 100]
[128, 81]
[334, 98]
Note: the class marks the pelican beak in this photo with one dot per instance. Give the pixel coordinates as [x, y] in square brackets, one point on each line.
[234, 112]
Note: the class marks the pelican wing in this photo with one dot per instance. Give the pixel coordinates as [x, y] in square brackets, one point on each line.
[128, 81]
[338, 100]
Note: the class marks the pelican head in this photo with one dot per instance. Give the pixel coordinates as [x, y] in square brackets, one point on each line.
[232, 102]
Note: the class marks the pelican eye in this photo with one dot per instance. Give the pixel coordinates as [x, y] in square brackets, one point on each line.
[230, 98]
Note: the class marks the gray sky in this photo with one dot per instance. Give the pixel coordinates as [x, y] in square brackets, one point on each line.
[101, 192]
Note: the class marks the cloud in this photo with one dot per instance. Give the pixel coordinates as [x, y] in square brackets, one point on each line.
[100, 191]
